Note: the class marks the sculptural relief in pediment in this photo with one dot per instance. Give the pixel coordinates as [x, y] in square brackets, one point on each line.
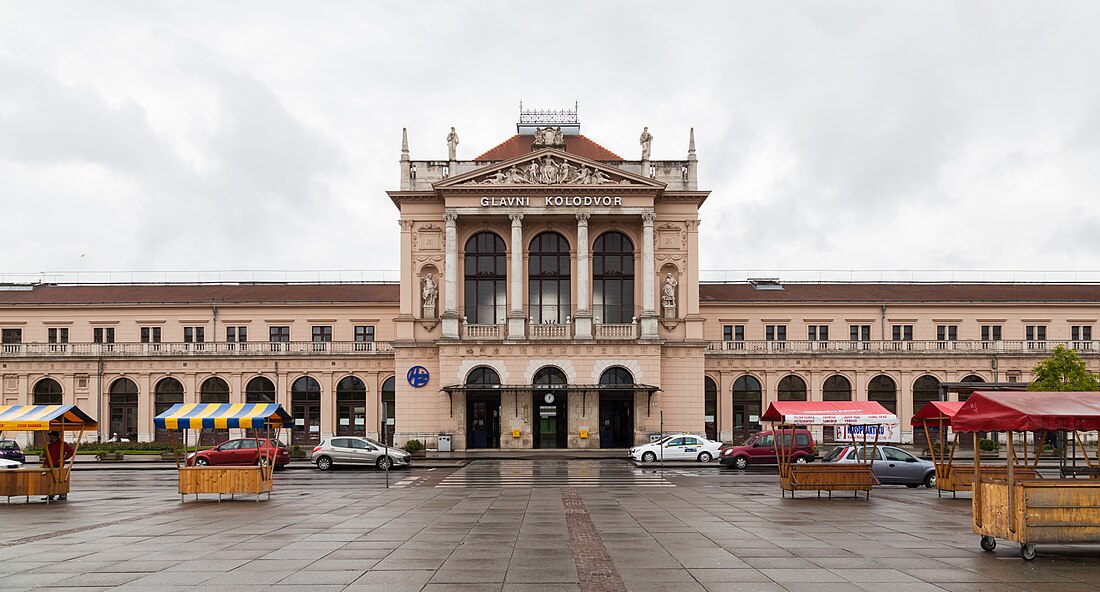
[548, 170]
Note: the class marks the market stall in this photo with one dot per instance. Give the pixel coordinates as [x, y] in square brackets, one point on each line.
[51, 479]
[934, 419]
[869, 416]
[254, 479]
[1024, 510]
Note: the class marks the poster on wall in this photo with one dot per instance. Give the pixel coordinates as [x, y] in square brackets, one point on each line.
[887, 432]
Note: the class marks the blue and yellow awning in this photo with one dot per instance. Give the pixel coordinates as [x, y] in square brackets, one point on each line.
[193, 416]
[44, 417]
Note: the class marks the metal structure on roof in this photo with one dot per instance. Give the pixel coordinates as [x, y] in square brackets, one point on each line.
[567, 120]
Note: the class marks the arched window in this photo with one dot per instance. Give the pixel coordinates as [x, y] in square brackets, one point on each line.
[214, 390]
[351, 407]
[259, 390]
[47, 392]
[972, 378]
[883, 390]
[792, 388]
[305, 402]
[123, 396]
[747, 399]
[167, 392]
[389, 391]
[925, 389]
[482, 375]
[616, 375]
[836, 388]
[486, 279]
[710, 408]
[548, 287]
[613, 278]
[549, 377]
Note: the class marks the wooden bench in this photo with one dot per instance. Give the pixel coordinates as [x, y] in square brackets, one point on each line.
[831, 477]
[1090, 472]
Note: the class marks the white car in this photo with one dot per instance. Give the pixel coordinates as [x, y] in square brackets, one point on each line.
[677, 447]
[9, 464]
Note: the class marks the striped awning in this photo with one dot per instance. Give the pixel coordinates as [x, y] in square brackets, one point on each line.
[193, 416]
[44, 417]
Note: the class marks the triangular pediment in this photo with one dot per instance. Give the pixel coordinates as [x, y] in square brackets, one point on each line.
[548, 167]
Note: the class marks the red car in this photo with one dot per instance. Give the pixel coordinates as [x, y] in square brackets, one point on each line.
[241, 451]
[759, 448]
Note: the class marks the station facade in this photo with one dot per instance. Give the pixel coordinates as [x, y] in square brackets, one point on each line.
[549, 298]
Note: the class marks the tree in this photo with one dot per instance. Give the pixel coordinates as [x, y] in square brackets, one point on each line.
[1063, 371]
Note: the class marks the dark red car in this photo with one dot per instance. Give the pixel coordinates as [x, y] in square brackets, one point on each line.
[241, 452]
[759, 448]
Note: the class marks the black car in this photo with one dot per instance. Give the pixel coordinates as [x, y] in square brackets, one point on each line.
[9, 449]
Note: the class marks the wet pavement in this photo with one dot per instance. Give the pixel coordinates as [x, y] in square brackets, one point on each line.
[513, 525]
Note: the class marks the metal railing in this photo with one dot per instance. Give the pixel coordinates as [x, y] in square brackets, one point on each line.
[898, 347]
[253, 348]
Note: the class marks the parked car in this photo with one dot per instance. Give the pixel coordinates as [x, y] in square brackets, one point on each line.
[242, 452]
[892, 466]
[759, 449]
[677, 447]
[9, 449]
[9, 464]
[353, 450]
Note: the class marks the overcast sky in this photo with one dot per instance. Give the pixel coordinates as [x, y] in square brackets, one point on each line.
[833, 135]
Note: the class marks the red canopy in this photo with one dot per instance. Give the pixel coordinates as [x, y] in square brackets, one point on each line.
[1028, 411]
[936, 410]
[829, 413]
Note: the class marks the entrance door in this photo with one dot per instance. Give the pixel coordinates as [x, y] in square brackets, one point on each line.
[309, 430]
[482, 421]
[616, 421]
[551, 419]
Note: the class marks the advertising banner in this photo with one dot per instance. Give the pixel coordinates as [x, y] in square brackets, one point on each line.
[888, 432]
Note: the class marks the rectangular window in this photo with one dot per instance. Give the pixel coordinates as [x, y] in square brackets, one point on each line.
[817, 333]
[733, 336]
[990, 333]
[194, 334]
[364, 337]
[1036, 335]
[776, 333]
[859, 332]
[1081, 336]
[58, 337]
[150, 334]
[236, 334]
[903, 335]
[322, 333]
[103, 335]
[946, 334]
[278, 334]
[11, 336]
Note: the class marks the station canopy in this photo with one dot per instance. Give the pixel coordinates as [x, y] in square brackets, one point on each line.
[44, 417]
[937, 411]
[193, 416]
[463, 388]
[829, 413]
[1033, 411]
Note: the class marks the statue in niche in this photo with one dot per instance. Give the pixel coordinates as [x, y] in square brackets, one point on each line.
[668, 295]
[429, 292]
[645, 140]
[452, 144]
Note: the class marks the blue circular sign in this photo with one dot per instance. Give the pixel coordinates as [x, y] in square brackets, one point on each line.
[417, 376]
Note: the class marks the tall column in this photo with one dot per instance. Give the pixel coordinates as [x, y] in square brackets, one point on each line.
[450, 316]
[516, 316]
[649, 309]
[583, 317]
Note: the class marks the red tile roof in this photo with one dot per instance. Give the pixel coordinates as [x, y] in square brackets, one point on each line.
[520, 145]
[879, 293]
[203, 294]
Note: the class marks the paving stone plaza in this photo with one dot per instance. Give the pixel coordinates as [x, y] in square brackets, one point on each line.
[557, 525]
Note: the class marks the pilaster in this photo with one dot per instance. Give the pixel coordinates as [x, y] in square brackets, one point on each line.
[582, 319]
[450, 316]
[516, 317]
[649, 309]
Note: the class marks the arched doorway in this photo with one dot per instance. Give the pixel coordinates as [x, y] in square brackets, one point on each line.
[710, 408]
[747, 400]
[835, 388]
[389, 400]
[258, 390]
[792, 388]
[123, 396]
[47, 392]
[616, 408]
[550, 428]
[965, 394]
[167, 392]
[482, 408]
[883, 390]
[214, 390]
[351, 407]
[305, 402]
[925, 389]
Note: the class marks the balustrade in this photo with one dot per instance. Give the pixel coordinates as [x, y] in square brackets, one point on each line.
[254, 348]
[896, 347]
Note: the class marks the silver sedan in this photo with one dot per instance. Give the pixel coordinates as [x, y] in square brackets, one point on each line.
[893, 466]
[353, 450]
